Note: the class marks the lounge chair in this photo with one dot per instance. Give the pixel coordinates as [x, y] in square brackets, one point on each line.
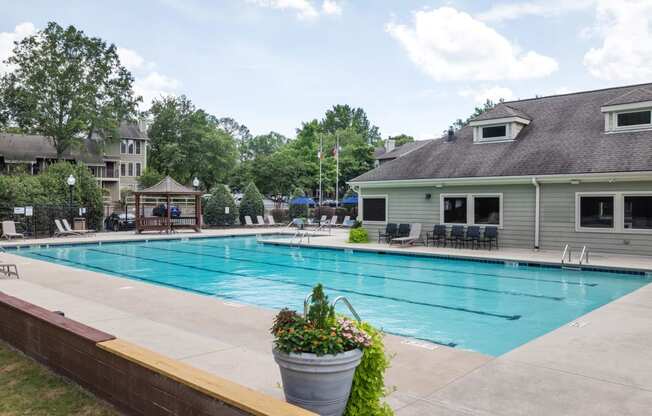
[323, 220]
[260, 221]
[61, 231]
[271, 222]
[333, 221]
[9, 230]
[248, 222]
[437, 235]
[472, 235]
[346, 221]
[297, 222]
[391, 231]
[457, 235]
[403, 230]
[413, 237]
[8, 271]
[490, 236]
[67, 227]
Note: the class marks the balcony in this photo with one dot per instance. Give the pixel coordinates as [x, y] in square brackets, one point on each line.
[105, 173]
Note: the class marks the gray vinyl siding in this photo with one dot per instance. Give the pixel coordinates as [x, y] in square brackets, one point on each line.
[558, 220]
[409, 205]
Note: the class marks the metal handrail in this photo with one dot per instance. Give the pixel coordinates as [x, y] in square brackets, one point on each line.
[306, 301]
[585, 254]
[348, 304]
[563, 255]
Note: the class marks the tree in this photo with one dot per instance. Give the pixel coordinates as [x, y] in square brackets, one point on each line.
[251, 203]
[66, 86]
[239, 132]
[401, 139]
[214, 210]
[488, 105]
[149, 177]
[186, 142]
[342, 117]
[262, 145]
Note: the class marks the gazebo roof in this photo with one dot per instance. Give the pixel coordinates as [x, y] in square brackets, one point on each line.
[168, 186]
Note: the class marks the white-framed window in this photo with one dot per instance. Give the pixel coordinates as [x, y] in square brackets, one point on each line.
[138, 169]
[138, 144]
[130, 169]
[471, 209]
[627, 120]
[491, 133]
[130, 147]
[374, 209]
[614, 212]
[123, 169]
[123, 147]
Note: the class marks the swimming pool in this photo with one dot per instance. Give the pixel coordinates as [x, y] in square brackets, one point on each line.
[486, 307]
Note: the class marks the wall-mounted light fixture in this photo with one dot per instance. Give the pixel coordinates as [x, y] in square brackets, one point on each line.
[439, 185]
[575, 181]
[428, 196]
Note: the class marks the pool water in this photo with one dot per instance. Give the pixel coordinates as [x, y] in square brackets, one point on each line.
[486, 307]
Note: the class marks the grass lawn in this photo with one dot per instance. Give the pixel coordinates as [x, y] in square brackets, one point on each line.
[28, 388]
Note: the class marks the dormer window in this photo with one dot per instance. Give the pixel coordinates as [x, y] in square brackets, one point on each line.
[634, 119]
[629, 112]
[500, 124]
[494, 132]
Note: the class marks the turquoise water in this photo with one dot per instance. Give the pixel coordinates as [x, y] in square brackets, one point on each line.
[485, 307]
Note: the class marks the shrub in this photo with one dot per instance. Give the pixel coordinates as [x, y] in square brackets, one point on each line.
[281, 215]
[368, 388]
[358, 235]
[298, 211]
[214, 211]
[251, 203]
[327, 211]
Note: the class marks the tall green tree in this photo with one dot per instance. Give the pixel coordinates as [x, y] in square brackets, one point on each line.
[486, 106]
[66, 86]
[186, 142]
[401, 139]
[342, 117]
[239, 132]
[261, 145]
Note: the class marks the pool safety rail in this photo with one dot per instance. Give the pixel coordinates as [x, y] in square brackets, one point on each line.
[337, 300]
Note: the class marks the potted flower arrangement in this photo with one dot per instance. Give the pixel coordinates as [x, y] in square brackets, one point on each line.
[318, 355]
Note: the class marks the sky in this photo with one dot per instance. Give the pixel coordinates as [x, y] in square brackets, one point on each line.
[413, 66]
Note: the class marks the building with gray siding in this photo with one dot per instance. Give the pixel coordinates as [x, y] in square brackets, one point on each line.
[567, 169]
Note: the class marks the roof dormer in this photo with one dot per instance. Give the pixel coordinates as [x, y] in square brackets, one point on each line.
[500, 124]
[629, 112]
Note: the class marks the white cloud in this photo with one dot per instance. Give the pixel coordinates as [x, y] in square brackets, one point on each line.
[7, 40]
[510, 11]
[625, 28]
[451, 45]
[494, 94]
[148, 83]
[331, 7]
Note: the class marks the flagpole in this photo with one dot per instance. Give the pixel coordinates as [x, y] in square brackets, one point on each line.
[319, 154]
[337, 166]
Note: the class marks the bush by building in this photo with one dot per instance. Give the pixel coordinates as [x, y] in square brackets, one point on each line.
[215, 208]
[251, 203]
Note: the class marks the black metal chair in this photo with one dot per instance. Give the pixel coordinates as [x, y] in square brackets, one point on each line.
[457, 235]
[390, 232]
[490, 236]
[403, 230]
[437, 235]
[472, 235]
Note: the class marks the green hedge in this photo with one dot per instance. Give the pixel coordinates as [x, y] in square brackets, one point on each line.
[358, 235]
[214, 211]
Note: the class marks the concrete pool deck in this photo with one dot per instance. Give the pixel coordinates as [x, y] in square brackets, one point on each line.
[601, 364]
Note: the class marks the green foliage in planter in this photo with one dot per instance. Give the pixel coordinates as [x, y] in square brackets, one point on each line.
[298, 211]
[281, 215]
[214, 211]
[251, 203]
[358, 235]
[368, 387]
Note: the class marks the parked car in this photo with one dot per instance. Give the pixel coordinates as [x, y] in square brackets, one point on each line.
[120, 222]
[161, 211]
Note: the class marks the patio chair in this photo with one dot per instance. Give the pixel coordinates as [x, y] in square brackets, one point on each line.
[248, 222]
[333, 221]
[490, 236]
[437, 235]
[8, 271]
[9, 230]
[412, 238]
[271, 222]
[67, 227]
[260, 221]
[297, 222]
[323, 220]
[403, 230]
[472, 235]
[391, 231]
[61, 231]
[346, 221]
[457, 235]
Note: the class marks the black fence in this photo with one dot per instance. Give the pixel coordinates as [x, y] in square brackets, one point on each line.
[37, 221]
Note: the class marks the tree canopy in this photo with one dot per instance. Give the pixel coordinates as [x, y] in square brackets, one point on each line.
[66, 86]
[401, 139]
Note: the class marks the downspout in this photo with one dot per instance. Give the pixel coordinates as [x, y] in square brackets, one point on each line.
[537, 203]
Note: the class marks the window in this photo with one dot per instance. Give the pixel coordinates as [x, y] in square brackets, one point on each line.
[123, 169]
[638, 212]
[455, 210]
[486, 210]
[137, 147]
[596, 211]
[494, 132]
[635, 118]
[374, 209]
[123, 147]
[131, 169]
[137, 169]
[130, 147]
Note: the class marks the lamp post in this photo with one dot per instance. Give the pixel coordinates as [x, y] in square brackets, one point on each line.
[71, 184]
[195, 183]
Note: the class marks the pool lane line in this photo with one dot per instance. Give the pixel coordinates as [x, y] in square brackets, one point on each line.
[373, 276]
[289, 282]
[494, 276]
[206, 293]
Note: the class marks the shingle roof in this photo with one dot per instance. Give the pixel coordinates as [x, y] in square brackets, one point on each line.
[168, 186]
[636, 95]
[403, 149]
[566, 136]
[501, 110]
[26, 148]
[131, 130]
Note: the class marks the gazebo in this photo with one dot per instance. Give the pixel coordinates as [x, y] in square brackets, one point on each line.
[165, 222]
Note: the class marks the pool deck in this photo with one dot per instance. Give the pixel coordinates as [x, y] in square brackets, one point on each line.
[601, 364]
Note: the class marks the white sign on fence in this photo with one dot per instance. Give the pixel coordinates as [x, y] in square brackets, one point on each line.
[29, 211]
[226, 210]
[19, 210]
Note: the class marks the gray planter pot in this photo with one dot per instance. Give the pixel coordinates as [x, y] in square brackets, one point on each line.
[318, 383]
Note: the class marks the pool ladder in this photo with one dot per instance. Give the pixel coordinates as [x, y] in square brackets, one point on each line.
[584, 257]
[298, 236]
[338, 299]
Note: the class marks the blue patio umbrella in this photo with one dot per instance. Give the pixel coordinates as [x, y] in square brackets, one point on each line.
[302, 200]
[350, 200]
